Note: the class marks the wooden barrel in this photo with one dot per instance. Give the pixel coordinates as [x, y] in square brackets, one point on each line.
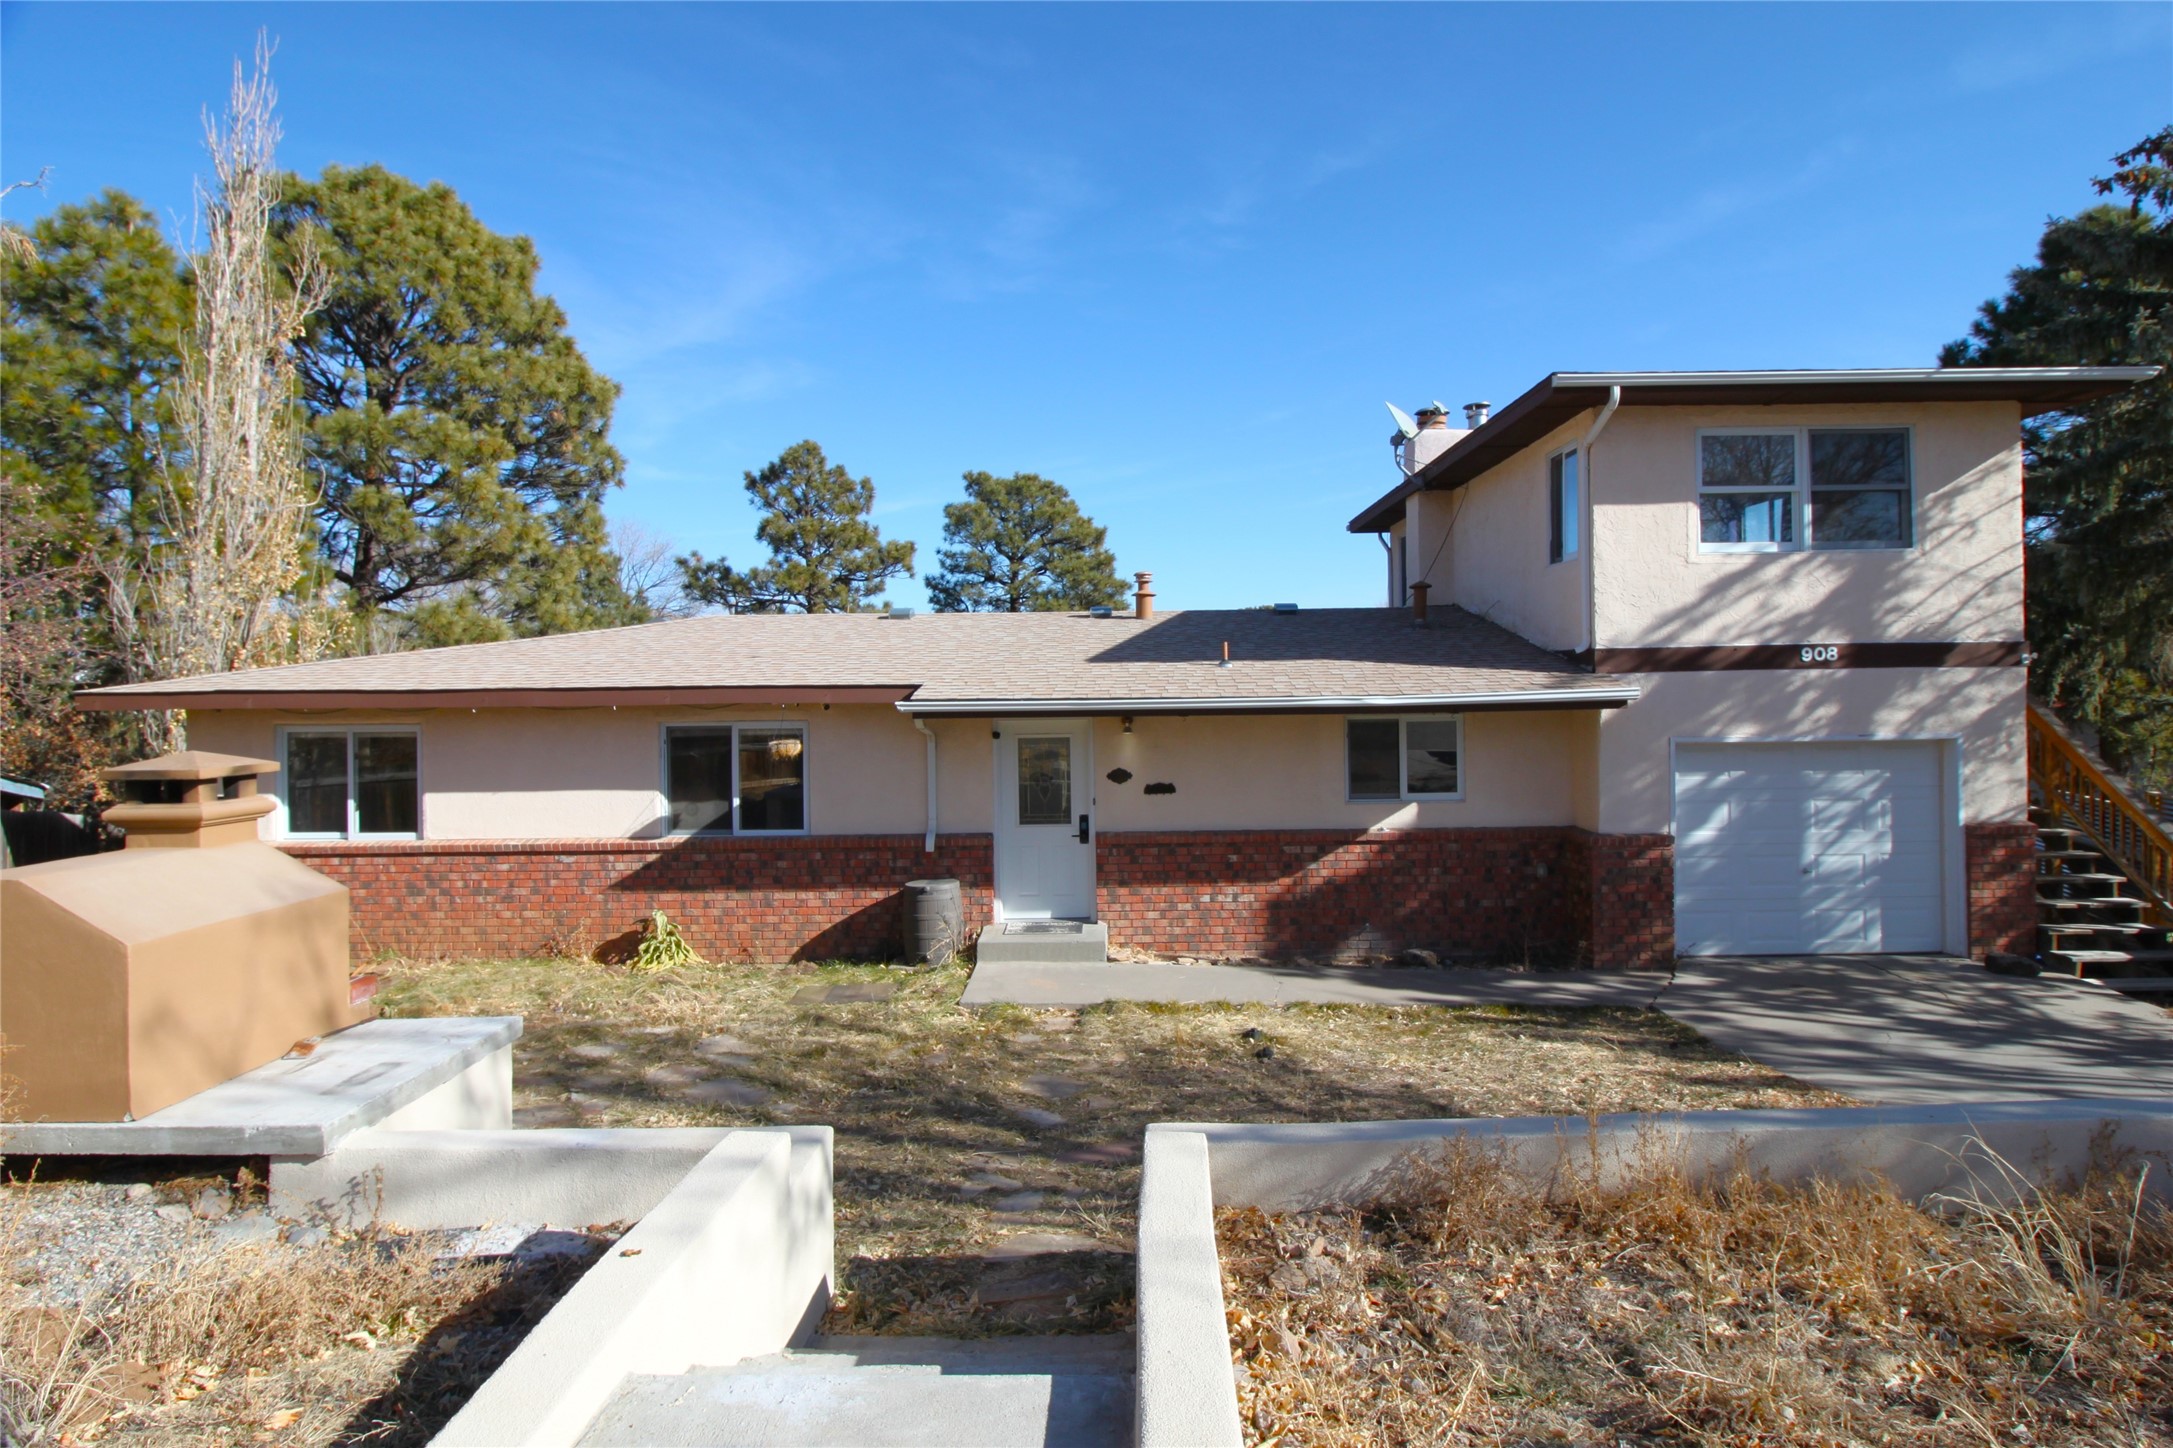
[935, 922]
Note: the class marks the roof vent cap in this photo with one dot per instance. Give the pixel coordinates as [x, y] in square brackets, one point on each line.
[1101, 610]
[1476, 413]
[1286, 608]
[899, 613]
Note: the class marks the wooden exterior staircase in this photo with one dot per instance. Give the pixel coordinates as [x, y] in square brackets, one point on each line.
[2104, 869]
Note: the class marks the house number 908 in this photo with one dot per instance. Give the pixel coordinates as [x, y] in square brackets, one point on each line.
[1820, 653]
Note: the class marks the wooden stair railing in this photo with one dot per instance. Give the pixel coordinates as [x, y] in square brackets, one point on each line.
[2064, 777]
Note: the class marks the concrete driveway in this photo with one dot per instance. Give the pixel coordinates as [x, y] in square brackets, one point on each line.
[1907, 1029]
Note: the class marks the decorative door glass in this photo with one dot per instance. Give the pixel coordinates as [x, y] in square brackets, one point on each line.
[1045, 780]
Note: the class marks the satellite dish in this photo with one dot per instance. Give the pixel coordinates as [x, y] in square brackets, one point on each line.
[1405, 427]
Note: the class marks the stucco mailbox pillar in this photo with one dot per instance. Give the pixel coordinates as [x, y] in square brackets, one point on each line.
[131, 980]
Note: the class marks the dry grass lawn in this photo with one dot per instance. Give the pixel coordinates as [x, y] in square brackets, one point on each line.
[940, 1157]
[366, 1340]
[1479, 1312]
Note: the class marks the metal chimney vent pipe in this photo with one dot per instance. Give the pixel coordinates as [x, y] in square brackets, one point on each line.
[1143, 595]
[1418, 603]
[1476, 413]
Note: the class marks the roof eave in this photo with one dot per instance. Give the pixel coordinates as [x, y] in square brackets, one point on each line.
[1580, 698]
[2035, 389]
[113, 700]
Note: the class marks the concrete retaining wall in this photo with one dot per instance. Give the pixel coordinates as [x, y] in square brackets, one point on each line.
[735, 1261]
[1922, 1150]
[460, 1178]
[1187, 1394]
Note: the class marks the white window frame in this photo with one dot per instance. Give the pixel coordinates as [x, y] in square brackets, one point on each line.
[1403, 757]
[1800, 493]
[353, 831]
[1572, 508]
[732, 727]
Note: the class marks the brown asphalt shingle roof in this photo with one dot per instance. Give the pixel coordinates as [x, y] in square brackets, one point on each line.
[935, 659]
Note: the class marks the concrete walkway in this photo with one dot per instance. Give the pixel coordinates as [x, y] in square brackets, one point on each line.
[1914, 1029]
[1088, 985]
[1891, 1029]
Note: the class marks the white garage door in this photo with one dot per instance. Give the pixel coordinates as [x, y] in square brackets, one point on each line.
[1808, 848]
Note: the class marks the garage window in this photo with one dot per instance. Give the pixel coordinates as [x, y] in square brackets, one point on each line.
[1779, 490]
[1416, 757]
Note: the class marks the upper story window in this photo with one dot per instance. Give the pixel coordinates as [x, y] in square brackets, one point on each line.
[1774, 490]
[1420, 757]
[736, 779]
[353, 784]
[1562, 511]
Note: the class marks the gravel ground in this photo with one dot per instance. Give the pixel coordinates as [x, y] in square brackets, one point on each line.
[84, 1241]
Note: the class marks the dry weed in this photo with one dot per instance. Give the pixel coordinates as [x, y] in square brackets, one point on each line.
[1481, 1309]
[372, 1339]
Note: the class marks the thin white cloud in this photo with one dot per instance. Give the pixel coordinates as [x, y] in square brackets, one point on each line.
[1716, 207]
[2082, 35]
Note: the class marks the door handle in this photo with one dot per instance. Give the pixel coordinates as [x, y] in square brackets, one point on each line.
[1084, 836]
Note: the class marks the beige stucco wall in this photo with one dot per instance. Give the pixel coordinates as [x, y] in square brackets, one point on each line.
[1484, 546]
[596, 773]
[1962, 581]
[1255, 772]
[1980, 708]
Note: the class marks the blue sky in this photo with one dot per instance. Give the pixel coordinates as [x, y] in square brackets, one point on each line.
[1173, 256]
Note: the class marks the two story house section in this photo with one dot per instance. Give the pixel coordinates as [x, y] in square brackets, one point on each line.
[1815, 581]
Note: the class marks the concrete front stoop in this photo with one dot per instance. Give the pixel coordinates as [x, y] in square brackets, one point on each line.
[889, 1392]
[1042, 942]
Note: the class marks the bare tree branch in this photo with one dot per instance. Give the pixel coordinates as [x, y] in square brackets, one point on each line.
[234, 511]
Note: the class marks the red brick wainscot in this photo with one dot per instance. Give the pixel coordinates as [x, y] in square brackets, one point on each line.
[1539, 895]
[832, 897]
[1627, 916]
[2002, 887]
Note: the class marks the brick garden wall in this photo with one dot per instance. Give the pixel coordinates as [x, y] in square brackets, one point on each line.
[1543, 895]
[2002, 862]
[827, 898]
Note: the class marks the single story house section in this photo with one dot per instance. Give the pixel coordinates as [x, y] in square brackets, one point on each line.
[1246, 782]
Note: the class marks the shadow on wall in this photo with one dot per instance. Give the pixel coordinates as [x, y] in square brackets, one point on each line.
[804, 898]
[1504, 896]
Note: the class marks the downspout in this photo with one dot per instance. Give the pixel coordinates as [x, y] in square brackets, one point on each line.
[1584, 464]
[928, 842]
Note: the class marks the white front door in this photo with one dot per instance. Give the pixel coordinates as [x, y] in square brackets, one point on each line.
[1783, 849]
[1044, 820]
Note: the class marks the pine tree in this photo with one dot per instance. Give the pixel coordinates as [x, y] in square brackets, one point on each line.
[825, 556]
[1019, 544]
[97, 305]
[459, 438]
[2099, 479]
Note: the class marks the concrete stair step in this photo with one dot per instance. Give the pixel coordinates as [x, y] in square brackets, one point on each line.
[904, 1405]
[1043, 942]
[1078, 1352]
